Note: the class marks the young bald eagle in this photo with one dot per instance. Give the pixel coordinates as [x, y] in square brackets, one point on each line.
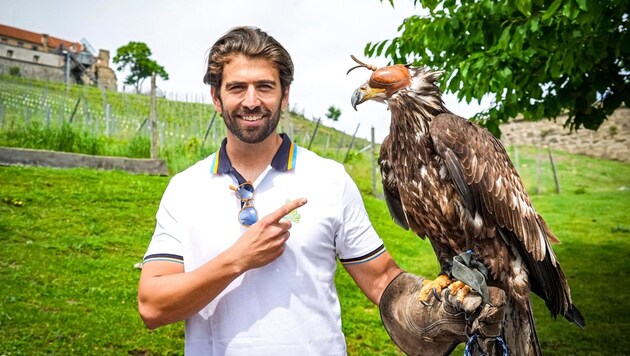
[452, 181]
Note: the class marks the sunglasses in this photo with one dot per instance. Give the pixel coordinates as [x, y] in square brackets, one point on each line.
[248, 215]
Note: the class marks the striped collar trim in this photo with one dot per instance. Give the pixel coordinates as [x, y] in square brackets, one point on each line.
[284, 160]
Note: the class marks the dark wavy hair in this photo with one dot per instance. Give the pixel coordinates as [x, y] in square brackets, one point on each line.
[251, 42]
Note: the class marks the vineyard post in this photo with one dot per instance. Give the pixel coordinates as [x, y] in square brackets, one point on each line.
[373, 161]
[154, 133]
[163, 133]
[86, 113]
[47, 116]
[314, 133]
[2, 114]
[108, 119]
[209, 127]
[341, 136]
[539, 168]
[553, 167]
[351, 143]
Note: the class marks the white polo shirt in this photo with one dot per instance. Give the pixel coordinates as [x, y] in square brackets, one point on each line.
[290, 306]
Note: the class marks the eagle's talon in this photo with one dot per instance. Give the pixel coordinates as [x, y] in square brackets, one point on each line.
[426, 304]
[436, 294]
[460, 290]
[434, 287]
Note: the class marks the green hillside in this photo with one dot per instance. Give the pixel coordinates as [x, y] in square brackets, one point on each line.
[84, 119]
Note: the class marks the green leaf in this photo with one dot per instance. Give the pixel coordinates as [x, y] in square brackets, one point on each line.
[534, 25]
[567, 63]
[551, 10]
[524, 6]
[582, 4]
[504, 40]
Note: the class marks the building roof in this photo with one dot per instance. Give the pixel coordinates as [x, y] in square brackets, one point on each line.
[37, 38]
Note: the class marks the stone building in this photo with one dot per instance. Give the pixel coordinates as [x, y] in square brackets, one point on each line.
[41, 56]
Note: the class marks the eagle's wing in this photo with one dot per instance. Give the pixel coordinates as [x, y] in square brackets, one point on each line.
[490, 186]
[488, 182]
[390, 186]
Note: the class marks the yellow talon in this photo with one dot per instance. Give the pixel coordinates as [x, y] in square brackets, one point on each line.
[460, 289]
[441, 282]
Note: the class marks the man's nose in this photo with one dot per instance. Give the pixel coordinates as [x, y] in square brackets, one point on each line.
[251, 99]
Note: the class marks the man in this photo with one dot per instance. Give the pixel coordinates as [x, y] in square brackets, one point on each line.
[250, 285]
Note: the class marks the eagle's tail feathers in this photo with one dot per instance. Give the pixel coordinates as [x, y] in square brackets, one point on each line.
[573, 315]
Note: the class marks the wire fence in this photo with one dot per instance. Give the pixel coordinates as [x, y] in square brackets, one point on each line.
[181, 118]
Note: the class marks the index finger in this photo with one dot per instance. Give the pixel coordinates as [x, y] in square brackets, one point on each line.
[284, 210]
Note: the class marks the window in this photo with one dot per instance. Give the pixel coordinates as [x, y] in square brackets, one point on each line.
[34, 47]
[20, 44]
[9, 53]
[4, 40]
[36, 59]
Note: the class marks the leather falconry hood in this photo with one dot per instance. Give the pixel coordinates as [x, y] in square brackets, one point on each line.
[390, 78]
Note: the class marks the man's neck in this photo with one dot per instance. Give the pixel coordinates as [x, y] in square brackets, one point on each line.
[250, 160]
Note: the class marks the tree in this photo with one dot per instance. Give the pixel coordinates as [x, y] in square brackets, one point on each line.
[333, 113]
[538, 58]
[135, 57]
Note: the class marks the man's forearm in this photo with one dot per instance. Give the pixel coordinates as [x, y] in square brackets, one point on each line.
[166, 297]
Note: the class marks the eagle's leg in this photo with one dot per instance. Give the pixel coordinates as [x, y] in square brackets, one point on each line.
[442, 281]
[460, 289]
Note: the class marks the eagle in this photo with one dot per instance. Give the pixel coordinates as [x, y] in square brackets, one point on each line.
[451, 181]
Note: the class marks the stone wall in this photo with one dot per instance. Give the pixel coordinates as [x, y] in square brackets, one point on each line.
[610, 141]
[33, 70]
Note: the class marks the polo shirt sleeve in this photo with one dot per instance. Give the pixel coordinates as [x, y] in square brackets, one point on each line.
[356, 240]
[166, 244]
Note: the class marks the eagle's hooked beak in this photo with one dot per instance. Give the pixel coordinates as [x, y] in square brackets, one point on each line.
[363, 94]
[357, 98]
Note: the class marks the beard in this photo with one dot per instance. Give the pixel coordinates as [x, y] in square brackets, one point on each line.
[250, 134]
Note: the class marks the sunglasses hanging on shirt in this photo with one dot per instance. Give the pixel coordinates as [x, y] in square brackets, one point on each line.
[248, 215]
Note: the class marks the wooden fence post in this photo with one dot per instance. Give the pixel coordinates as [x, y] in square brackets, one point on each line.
[553, 168]
[154, 129]
[351, 142]
[108, 119]
[314, 133]
[47, 115]
[373, 162]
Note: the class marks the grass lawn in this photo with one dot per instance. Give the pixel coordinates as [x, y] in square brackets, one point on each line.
[70, 239]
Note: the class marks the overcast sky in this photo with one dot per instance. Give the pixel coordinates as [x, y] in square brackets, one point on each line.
[320, 36]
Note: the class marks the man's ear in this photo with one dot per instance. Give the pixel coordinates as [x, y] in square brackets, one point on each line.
[285, 98]
[215, 99]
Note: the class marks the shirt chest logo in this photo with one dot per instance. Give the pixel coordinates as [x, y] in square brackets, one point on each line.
[293, 216]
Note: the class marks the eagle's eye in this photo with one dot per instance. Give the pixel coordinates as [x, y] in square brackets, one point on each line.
[388, 77]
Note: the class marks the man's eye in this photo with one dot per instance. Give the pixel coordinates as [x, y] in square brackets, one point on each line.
[236, 88]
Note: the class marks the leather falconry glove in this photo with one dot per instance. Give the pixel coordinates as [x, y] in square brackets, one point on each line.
[437, 327]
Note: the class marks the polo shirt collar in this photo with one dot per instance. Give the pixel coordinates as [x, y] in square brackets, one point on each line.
[284, 159]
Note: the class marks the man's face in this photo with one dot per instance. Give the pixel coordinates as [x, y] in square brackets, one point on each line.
[251, 98]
